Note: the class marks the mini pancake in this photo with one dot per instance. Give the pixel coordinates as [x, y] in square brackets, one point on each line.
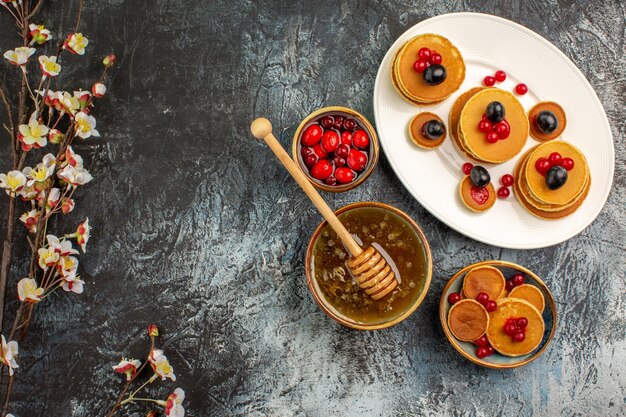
[415, 131]
[412, 83]
[515, 308]
[550, 106]
[485, 279]
[476, 198]
[455, 115]
[575, 178]
[468, 320]
[531, 294]
[394, 81]
[459, 142]
[475, 141]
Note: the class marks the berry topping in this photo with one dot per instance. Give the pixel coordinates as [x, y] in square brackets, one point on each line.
[556, 177]
[346, 139]
[568, 164]
[342, 150]
[360, 139]
[454, 297]
[433, 129]
[482, 341]
[479, 176]
[482, 297]
[509, 284]
[503, 192]
[467, 168]
[495, 112]
[327, 122]
[510, 328]
[522, 322]
[491, 306]
[489, 81]
[435, 74]
[319, 151]
[339, 161]
[311, 159]
[330, 181]
[420, 66]
[349, 125]
[330, 141]
[322, 169]
[338, 123]
[547, 122]
[518, 279]
[357, 160]
[506, 180]
[490, 350]
[312, 135]
[435, 58]
[482, 352]
[345, 175]
[479, 194]
[423, 54]
[500, 76]
[542, 166]
[503, 129]
[519, 337]
[555, 159]
[521, 89]
[492, 137]
[485, 126]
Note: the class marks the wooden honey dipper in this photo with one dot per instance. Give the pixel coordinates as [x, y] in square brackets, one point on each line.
[368, 266]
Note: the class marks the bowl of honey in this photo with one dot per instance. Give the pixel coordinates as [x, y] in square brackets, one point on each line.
[400, 241]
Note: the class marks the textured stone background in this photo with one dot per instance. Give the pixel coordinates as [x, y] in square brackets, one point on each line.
[198, 229]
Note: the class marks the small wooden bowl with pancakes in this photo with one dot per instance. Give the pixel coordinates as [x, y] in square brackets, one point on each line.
[468, 319]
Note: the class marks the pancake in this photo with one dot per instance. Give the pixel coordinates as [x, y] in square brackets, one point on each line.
[412, 84]
[475, 141]
[468, 320]
[415, 131]
[531, 294]
[560, 117]
[455, 115]
[467, 189]
[576, 177]
[515, 308]
[485, 279]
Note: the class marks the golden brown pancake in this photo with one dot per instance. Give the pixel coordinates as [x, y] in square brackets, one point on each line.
[415, 131]
[515, 308]
[468, 320]
[485, 279]
[531, 294]
[550, 106]
[470, 193]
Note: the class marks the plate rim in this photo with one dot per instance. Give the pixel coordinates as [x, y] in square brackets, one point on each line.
[593, 96]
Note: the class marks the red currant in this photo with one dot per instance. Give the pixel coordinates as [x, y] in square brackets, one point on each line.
[319, 151]
[521, 89]
[510, 329]
[420, 66]
[503, 129]
[435, 58]
[331, 180]
[509, 284]
[492, 137]
[360, 139]
[489, 81]
[312, 135]
[482, 341]
[522, 322]
[345, 175]
[519, 337]
[503, 192]
[568, 164]
[454, 297]
[555, 159]
[482, 297]
[330, 141]
[357, 160]
[542, 165]
[490, 350]
[467, 168]
[322, 169]
[491, 306]
[518, 279]
[346, 138]
[327, 122]
[500, 76]
[482, 352]
[423, 54]
[506, 180]
[485, 126]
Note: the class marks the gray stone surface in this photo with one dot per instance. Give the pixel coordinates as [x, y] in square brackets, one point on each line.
[197, 227]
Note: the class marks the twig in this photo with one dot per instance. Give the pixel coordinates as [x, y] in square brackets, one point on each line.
[7, 107]
[35, 9]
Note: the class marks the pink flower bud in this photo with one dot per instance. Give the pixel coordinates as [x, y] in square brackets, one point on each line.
[98, 90]
[55, 136]
[109, 61]
[153, 330]
[67, 205]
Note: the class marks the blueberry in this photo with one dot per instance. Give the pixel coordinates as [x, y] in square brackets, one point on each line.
[556, 177]
[547, 121]
[433, 129]
[495, 112]
[434, 74]
[479, 176]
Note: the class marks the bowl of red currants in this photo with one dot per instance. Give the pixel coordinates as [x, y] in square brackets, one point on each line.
[336, 147]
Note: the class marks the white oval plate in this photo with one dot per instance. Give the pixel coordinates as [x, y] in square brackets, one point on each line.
[489, 43]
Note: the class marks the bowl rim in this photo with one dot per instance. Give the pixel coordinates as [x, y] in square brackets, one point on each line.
[373, 157]
[418, 301]
[453, 341]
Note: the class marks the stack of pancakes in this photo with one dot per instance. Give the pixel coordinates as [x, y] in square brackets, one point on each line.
[411, 85]
[466, 113]
[532, 191]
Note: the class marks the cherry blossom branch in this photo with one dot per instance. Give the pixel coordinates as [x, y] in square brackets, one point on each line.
[11, 128]
[35, 9]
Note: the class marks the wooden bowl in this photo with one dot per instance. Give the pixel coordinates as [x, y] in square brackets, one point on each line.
[498, 361]
[319, 297]
[372, 156]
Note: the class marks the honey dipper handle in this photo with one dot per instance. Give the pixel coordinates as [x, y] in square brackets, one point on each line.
[262, 129]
